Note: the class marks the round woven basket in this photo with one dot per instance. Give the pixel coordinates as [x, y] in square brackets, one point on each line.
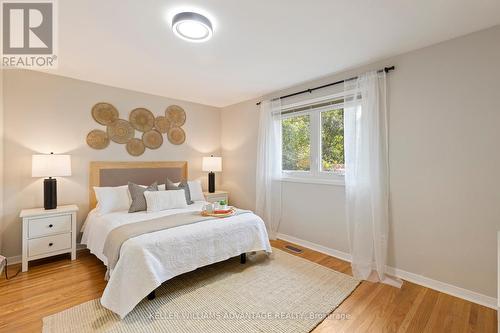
[162, 124]
[135, 147]
[176, 135]
[152, 139]
[120, 131]
[104, 113]
[97, 139]
[142, 119]
[176, 115]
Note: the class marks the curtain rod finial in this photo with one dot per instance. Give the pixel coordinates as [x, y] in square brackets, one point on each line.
[388, 69]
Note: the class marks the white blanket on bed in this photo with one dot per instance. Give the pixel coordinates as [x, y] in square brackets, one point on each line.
[150, 259]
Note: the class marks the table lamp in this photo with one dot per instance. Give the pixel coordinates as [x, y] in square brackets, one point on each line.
[50, 165]
[211, 164]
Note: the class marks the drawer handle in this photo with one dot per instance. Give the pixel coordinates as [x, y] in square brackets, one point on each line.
[50, 225]
[50, 244]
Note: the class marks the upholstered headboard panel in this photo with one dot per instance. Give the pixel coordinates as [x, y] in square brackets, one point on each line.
[143, 173]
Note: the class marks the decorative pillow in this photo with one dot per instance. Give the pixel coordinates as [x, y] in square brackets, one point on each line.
[182, 185]
[162, 200]
[161, 187]
[137, 195]
[112, 199]
[196, 191]
[171, 186]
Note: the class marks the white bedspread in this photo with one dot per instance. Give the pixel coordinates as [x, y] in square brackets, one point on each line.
[150, 259]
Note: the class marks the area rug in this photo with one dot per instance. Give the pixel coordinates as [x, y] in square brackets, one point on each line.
[277, 293]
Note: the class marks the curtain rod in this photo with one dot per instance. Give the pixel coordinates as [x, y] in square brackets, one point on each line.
[386, 69]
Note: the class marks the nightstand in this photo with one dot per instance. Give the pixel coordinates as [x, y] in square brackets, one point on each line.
[217, 196]
[48, 232]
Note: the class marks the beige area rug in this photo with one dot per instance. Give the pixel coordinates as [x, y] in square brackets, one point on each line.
[281, 293]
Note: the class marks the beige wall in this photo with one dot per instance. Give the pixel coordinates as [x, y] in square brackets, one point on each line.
[45, 113]
[444, 136]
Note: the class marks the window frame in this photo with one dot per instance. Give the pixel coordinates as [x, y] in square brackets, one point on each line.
[315, 175]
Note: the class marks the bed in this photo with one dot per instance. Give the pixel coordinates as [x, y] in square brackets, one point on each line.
[148, 260]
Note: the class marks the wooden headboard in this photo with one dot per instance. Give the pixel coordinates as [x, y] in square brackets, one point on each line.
[143, 173]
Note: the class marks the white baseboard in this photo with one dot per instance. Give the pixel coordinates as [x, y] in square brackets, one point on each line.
[446, 288]
[316, 247]
[17, 259]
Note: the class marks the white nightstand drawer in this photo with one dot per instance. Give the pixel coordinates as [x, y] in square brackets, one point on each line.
[49, 244]
[49, 226]
[48, 232]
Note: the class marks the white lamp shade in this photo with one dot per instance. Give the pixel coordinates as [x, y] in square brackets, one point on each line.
[212, 163]
[50, 165]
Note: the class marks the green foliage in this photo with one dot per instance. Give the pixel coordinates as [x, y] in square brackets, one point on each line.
[332, 140]
[296, 143]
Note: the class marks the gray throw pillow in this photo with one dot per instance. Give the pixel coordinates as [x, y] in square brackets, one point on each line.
[137, 194]
[184, 186]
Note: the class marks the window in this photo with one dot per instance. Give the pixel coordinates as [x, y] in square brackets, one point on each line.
[332, 141]
[313, 142]
[296, 151]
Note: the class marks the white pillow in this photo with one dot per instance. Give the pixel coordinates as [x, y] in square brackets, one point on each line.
[163, 200]
[112, 199]
[195, 190]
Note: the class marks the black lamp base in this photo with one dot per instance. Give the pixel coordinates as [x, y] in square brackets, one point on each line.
[211, 182]
[49, 193]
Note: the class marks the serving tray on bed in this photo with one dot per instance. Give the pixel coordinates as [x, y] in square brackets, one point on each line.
[221, 214]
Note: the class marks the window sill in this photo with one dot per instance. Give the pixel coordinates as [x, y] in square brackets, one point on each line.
[304, 180]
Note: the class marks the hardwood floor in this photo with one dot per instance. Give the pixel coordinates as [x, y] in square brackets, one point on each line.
[375, 307]
[54, 284]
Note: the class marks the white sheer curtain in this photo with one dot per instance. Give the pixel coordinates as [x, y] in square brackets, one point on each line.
[268, 173]
[367, 175]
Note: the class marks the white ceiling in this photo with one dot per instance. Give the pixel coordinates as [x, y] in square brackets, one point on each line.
[258, 46]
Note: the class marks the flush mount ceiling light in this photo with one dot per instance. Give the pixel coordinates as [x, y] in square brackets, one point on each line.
[192, 27]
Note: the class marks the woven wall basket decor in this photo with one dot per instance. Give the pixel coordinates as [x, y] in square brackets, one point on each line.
[142, 119]
[152, 139]
[176, 135]
[176, 115]
[162, 124]
[97, 139]
[104, 113]
[120, 131]
[135, 147]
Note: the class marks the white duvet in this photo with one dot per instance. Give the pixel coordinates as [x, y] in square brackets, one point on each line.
[150, 259]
